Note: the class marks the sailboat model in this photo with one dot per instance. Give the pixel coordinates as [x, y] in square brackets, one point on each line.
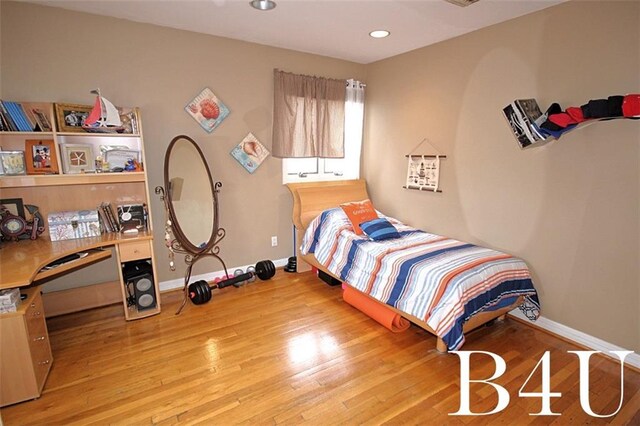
[104, 117]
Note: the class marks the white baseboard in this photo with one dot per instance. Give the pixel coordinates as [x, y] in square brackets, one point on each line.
[579, 337]
[209, 276]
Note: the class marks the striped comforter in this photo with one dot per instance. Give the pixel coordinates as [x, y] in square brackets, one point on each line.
[437, 279]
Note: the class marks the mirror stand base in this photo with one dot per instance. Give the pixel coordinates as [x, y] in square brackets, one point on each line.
[187, 275]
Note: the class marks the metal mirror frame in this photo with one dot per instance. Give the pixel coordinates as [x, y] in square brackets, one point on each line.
[180, 243]
[175, 223]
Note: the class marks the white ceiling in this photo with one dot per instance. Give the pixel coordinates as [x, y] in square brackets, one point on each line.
[334, 28]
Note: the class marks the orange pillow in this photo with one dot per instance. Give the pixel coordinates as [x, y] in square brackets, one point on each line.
[359, 212]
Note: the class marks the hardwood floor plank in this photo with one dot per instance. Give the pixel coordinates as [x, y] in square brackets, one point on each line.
[289, 351]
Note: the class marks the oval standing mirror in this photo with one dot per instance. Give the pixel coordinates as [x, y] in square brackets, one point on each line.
[190, 193]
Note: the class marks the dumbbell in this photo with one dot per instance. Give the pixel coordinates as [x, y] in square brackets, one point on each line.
[200, 291]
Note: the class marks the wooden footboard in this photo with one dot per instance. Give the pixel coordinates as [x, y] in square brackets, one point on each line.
[312, 198]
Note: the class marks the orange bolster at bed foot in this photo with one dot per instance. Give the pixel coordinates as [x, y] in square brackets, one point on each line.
[375, 310]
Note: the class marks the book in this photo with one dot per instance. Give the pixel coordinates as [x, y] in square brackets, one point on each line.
[23, 117]
[5, 114]
[532, 116]
[114, 219]
[517, 126]
[529, 108]
[31, 119]
[524, 117]
[104, 221]
[111, 217]
[21, 122]
[12, 116]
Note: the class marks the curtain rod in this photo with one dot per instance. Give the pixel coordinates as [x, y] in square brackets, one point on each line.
[359, 83]
[313, 76]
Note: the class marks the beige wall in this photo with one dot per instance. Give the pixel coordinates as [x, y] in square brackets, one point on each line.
[56, 55]
[570, 208]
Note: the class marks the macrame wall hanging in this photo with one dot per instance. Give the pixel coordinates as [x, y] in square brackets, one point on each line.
[423, 170]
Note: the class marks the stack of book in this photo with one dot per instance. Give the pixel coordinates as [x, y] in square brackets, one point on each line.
[108, 218]
[125, 218]
[17, 117]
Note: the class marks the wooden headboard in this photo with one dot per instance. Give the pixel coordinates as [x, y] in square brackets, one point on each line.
[312, 198]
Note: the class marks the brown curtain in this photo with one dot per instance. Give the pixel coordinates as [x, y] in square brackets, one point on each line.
[308, 116]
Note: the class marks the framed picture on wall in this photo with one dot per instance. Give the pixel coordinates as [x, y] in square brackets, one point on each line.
[250, 153]
[70, 117]
[77, 158]
[41, 157]
[207, 110]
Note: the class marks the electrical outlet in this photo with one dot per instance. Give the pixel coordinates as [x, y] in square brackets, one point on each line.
[274, 241]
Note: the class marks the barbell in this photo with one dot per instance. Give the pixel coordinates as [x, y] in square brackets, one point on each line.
[200, 291]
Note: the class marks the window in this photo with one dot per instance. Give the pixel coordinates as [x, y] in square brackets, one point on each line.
[319, 169]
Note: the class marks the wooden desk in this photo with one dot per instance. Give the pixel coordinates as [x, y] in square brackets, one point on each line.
[25, 353]
[21, 262]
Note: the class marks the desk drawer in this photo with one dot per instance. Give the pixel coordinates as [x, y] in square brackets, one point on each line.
[38, 340]
[135, 251]
[34, 314]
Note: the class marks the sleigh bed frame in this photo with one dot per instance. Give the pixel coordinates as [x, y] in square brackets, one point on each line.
[312, 198]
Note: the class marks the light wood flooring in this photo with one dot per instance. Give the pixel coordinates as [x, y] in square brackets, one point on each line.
[290, 351]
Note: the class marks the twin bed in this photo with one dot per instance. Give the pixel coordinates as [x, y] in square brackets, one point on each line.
[445, 286]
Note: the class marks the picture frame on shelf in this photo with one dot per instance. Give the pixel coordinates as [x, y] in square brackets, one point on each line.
[41, 157]
[14, 205]
[129, 121]
[13, 163]
[70, 117]
[121, 158]
[42, 119]
[77, 158]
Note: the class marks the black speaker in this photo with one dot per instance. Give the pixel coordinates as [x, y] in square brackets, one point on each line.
[139, 276]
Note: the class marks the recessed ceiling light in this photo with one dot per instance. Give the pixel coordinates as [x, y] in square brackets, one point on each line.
[379, 33]
[263, 4]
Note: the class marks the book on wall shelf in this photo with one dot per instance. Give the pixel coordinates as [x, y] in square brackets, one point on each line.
[11, 126]
[23, 117]
[524, 116]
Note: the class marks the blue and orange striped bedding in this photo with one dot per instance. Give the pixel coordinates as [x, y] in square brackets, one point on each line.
[437, 279]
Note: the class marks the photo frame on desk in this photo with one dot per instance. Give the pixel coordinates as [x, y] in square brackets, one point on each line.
[41, 157]
[70, 117]
[77, 158]
[14, 205]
